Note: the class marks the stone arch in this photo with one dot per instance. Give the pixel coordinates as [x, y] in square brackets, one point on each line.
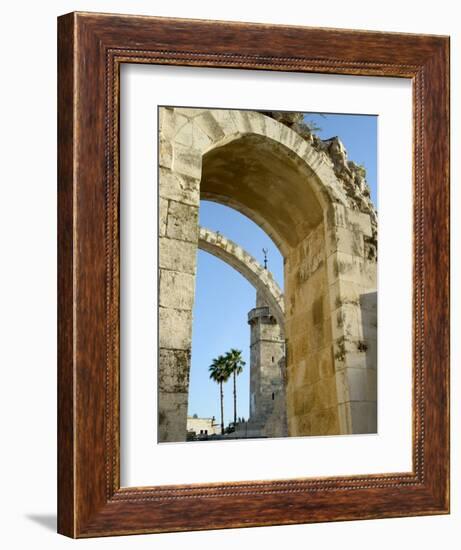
[309, 201]
[246, 265]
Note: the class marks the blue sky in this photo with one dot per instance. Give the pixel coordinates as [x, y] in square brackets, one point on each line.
[223, 297]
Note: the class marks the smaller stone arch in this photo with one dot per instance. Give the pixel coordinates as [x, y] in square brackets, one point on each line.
[238, 258]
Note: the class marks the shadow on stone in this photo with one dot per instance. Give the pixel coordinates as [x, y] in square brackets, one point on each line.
[369, 309]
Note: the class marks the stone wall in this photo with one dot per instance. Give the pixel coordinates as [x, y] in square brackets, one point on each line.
[179, 197]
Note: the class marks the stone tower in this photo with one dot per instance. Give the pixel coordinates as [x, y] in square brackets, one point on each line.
[267, 366]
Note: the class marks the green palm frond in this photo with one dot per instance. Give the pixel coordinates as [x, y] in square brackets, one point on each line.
[235, 361]
[219, 369]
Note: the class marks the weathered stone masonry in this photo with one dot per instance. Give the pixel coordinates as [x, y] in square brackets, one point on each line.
[315, 206]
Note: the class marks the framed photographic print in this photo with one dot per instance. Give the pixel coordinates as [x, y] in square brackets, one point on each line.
[253, 275]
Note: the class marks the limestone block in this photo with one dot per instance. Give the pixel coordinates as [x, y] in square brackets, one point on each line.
[307, 399]
[298, 344]
[308, 257]
[336, 216]
[315, 335]
[324, 422]
[359, 221]
[173, 370]
[166, 123]
[175, 328]
[176, 289]
[165, 153]
[177, 255]
[183, 134]
[189, 112]
[343, 240]
[243, 122]
[301, 399]
[349, 350]
[172, 416]
[179, 121]
[226, 121]
[303, 426]
[289, 138]
[163, 214]
[315, 161]
[304, 270]
[311, 373]
[187, 161]
[324, 170]
[200, 140]
[345, 292]
[290, 407]
[292, 422]
[368, 274]
[346, 322]
[326, 393]
[342, 387]
[273, 129]
[345, 418]
[356, 359]
[178, 187]
[347, 267]
[209, 125]
[320, 395]
[326, 366]
[182, 223]
[301, 147]
[296, 373]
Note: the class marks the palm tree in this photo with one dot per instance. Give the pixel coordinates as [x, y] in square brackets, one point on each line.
[219, 372]
[235, 364]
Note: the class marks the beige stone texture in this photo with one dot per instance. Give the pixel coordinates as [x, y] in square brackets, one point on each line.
[177, 255]
[163, 216]
[174, 376]
[172, 417]
[344, 240]
[179, 188]
[176, 290]
[187, 161]
[182, 222]
[165, 153]
[208, 124]
[166, 117]
[175, 328]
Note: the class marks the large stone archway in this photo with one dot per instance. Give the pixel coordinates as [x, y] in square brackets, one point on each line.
[313, 206]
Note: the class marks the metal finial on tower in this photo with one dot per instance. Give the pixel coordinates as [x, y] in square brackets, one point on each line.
[265, 251]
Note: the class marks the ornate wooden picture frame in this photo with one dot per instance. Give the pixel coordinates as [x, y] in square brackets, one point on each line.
[92, 48]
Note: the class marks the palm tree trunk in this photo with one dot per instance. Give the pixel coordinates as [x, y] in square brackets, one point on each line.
[222, 409]
[235, 401]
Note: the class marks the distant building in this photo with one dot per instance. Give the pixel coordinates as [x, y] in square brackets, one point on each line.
[202, 427]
